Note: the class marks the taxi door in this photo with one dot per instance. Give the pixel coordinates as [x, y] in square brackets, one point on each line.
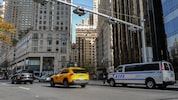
[62, 75]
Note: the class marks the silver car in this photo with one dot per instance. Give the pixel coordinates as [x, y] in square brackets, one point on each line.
[45, 78]
[22, 76]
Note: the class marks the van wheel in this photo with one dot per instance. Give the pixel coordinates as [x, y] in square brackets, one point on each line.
[65, 82]
[150, 83]
[112, 83]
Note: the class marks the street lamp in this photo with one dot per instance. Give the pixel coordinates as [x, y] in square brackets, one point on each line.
[81, 11]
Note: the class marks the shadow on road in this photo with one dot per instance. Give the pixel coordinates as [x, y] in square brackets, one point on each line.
[143, 87]
[61, 86]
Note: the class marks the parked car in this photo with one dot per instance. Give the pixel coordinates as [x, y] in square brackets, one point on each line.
[1, 77]
[22, 76]
[70, 76]
[45, 78]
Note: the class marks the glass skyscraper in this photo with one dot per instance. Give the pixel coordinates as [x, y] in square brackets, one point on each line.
[170, 10]
[127, 44]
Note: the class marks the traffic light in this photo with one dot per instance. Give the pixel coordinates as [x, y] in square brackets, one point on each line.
[79, 11]
[42, 2]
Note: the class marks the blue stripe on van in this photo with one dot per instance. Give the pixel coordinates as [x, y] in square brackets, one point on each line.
[130, 79]
[140, 72]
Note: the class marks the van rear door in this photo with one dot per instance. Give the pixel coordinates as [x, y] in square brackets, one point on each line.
[168, 72]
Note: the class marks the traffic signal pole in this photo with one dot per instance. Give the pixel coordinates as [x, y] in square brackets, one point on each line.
[100, 14]
[81, 11]
[144, 56]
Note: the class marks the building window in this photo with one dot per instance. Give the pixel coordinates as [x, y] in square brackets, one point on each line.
[57, 36]
[41, 35]
[63, 50]
[64, 43]
[41, 42]
[49, 42]
[34, 42]
[35, 36]
[44, 27]
[49, 49]
[34, 49]
[66, 28]
[61, 28]
[63, 58]
[57, 49]
[57, 23]
[57, 42]
[41, 49]
[57, 17]
[49, 36]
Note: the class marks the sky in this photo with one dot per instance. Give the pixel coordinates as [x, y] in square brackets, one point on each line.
[78, 19]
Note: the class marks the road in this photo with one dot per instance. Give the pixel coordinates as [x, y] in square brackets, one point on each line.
[42, 91]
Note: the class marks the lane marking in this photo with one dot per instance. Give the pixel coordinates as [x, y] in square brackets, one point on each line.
[24, 88]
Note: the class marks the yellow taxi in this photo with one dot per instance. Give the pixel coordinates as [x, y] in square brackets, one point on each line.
[71, 76]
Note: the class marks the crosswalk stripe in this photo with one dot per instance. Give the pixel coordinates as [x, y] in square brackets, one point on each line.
[24, 88]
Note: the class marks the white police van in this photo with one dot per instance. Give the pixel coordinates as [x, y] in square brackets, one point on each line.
[151, 74]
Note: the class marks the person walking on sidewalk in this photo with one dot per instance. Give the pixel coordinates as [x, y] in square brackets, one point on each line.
[104, 77]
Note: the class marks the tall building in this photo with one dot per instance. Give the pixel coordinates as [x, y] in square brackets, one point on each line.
[104, 41]
[118, 44]
[171, 21]
[127, 43]
[85, 45]
[45, 46]
[2, 44]
[20, 14]
[95, 17]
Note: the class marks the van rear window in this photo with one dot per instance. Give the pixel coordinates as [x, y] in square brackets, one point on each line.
[168, 66]
[171, 67]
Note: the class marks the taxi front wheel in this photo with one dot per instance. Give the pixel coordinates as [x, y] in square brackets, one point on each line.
[83, 86]
[52, 83]
[65, 82]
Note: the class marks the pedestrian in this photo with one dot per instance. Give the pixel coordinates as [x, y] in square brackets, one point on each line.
[104, 77]
[94, 76]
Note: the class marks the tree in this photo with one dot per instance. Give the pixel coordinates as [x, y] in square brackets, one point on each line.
[6, 28]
